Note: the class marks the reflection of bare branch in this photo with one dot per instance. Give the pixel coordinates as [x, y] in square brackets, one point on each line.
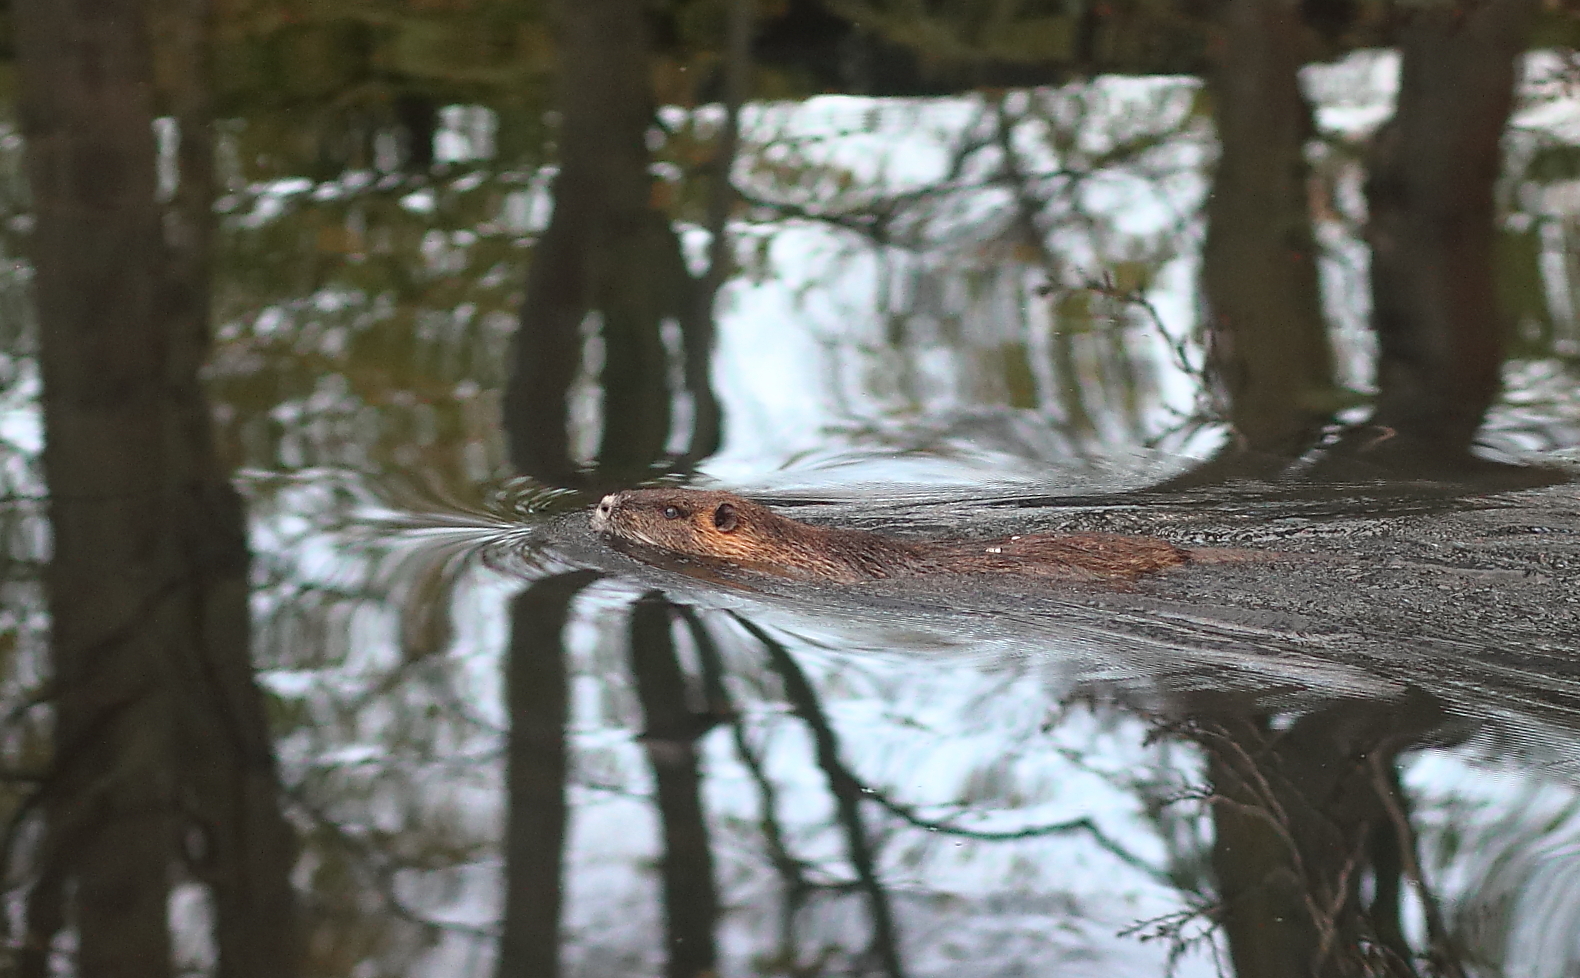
[1106, 287]
[1171, 927]
[1328, 922]
[44, 693]
[375, 859]
[1182, 430]
[847, 795]
[1072, 826]
[792, 875]
[1318, 797]
[791, 870]
[1031, 201]
[1442, 944]
[1205, 411]
[1270, 810]
[1026, 210]
[869, 222]
[875, 218]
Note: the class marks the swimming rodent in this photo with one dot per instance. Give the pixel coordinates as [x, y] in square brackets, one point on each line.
[723, 527]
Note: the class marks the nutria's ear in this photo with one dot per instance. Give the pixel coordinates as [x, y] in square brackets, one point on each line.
[726, 518]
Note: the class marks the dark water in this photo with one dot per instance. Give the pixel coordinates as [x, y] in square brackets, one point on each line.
[935, 778]
[1029, 763]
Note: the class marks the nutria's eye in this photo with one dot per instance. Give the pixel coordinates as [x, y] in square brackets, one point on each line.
[671, 513]
[726, 518]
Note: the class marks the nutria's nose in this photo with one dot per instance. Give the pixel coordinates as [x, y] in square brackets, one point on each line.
[601, 514]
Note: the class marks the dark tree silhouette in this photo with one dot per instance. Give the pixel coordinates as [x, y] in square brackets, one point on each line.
[609, 265]
[1300, 818]
[1267, 336]
[1432, 169]
[691, 900]
[160, 731]
[536, 771]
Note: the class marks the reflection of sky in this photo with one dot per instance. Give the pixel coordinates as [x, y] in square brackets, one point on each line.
[929, 731]
[786, 339]
[791, 341]
[1502, 844]
[21, 423]
[1354, 95]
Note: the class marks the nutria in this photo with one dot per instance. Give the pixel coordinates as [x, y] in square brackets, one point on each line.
[723, 527]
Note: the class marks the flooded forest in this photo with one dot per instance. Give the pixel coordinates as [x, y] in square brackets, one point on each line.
[789, 488]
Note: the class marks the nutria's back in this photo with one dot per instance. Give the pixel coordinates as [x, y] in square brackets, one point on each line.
[720, 526]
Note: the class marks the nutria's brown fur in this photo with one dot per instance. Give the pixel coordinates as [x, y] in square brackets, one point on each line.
[721, 526]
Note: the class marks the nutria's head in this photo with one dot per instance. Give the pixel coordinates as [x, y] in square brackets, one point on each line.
[693, 523]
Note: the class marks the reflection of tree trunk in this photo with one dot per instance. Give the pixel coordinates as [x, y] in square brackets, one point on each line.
[1430, 195]
[547, 353]
[224, 732]
[1078, 419]
[157, 711]
[1269, 346]
[707, 426]
[1256, 851]
[791, 875]
[691, 904]
[847, 797]
[114, 576]
[535, 828]
[608, 260]
[716, 699]
[592, 250]
[1388, 866]
[1300, 818]
[418, 119]
[642, 282]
